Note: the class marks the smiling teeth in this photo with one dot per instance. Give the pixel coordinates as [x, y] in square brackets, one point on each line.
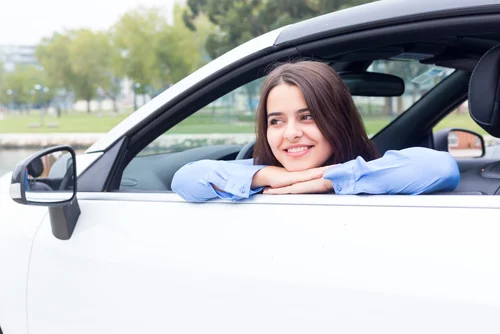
[297, 149]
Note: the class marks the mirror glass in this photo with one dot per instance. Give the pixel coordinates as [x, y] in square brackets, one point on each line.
[50, 178]
[463, 144]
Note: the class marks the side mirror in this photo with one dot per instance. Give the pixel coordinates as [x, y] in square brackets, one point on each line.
[460, 143]
[48, 178]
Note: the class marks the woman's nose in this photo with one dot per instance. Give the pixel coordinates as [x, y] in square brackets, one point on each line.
[292, 131]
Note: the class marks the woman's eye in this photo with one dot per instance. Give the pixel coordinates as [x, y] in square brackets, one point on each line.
[275, 121]
[307, 117]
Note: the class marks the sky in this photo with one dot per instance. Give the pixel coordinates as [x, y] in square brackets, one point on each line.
[26, 22]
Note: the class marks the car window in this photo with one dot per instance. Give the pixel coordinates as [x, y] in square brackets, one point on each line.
[217, 131]
[228, 120]
[220, 129]
[460, 119]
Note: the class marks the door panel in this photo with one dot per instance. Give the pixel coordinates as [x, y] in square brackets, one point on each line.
[467, 164]
[170, 266]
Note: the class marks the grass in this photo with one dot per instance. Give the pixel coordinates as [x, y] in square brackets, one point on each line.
[198, 123]
[72, 123]
[463, 121]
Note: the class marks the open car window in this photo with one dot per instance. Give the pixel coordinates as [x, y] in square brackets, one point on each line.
[228, 120]
[219, 130]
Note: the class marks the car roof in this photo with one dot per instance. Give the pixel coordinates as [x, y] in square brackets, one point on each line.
[381, 13]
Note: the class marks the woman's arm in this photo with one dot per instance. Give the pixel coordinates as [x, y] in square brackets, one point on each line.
[410, 171]
[203, 180]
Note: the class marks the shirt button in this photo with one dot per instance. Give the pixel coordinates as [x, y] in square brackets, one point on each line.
[242, 190]
[338, 188]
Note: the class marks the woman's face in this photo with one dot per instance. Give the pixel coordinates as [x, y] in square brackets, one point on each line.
[292, 134]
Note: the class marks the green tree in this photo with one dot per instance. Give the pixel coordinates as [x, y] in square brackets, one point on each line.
[180, 50]
[2, 89]
[25, 86]
[238, 21]
[154, 54]
[112, 83]
[89, 58]
[136, 36]
[53, 54]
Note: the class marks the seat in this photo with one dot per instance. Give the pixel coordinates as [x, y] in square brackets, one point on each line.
[484, 108]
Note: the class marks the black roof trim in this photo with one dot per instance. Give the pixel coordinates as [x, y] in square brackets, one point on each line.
[379, 14]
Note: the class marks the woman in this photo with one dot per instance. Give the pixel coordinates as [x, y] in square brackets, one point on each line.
[311, 139]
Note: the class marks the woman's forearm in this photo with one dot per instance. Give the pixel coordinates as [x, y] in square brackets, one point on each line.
[203, 180]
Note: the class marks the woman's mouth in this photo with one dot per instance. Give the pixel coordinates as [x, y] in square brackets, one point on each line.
[298, 150]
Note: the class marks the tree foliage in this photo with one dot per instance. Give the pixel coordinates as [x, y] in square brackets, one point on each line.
[154, 53]
[150, 52]
[89, 55]
[25, 86]
[238, 21]
[53, 55]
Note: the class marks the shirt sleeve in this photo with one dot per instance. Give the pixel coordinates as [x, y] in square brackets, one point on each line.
[410, 171]
[194, 181]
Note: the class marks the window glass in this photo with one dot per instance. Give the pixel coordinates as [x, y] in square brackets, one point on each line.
[378, 112]
[460, 119]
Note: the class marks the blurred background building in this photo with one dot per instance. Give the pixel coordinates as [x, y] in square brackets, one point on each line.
[12, 55]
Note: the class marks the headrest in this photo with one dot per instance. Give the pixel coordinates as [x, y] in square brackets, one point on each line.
[35, 168]
[484, 92]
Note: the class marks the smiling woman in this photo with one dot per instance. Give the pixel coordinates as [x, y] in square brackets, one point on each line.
[307, 105]
[310, 139]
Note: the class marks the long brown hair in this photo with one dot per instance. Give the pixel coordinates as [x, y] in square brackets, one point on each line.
[331, 106]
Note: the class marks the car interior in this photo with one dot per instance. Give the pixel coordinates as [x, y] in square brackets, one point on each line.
[469, 47]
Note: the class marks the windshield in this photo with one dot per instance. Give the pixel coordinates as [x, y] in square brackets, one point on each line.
[378, 112]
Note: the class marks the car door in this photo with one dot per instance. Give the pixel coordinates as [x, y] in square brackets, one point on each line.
[151, 262]
[142, 259]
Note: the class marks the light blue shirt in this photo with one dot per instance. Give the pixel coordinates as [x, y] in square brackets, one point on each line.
[410, 171]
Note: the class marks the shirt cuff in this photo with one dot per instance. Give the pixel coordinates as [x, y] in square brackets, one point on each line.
[343, 177]
[235, 181]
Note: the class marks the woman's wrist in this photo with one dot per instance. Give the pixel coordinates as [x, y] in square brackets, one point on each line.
[260, 178]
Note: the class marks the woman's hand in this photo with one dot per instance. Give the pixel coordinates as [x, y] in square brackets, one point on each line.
[315, 186]
[279, 177]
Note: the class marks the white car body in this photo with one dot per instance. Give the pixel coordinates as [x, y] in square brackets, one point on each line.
[153, 263]
[422, 264]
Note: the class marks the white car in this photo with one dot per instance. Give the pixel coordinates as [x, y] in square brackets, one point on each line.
[104, 246]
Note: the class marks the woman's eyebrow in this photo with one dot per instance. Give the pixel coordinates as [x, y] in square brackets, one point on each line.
[277, 113]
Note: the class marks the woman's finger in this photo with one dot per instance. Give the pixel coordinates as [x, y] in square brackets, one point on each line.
[279, 191]
[307, 175]
[297, 188]
[308, 187]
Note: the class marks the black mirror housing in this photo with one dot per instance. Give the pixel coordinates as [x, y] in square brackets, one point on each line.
[46, 178]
